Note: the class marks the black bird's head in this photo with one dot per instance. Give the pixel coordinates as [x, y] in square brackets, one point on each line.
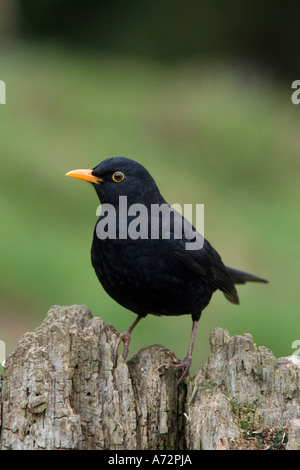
[120, 176]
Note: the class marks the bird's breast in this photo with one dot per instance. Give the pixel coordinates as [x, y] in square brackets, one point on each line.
[145, 277]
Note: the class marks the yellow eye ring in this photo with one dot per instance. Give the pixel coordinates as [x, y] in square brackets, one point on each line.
[118, 176]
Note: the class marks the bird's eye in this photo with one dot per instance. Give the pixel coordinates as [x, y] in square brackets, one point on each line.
[118, 176]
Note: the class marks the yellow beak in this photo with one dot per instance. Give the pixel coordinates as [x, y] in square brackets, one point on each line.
[85, 175]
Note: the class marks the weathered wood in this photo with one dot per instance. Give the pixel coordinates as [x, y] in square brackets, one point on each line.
[247, 387]
[62, 390]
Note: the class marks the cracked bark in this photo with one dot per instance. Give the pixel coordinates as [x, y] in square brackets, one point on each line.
[62, 390]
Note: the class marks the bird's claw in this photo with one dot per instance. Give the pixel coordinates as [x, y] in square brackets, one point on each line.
[178, 364]
[175, 359]
[110, 327]
[125, 337]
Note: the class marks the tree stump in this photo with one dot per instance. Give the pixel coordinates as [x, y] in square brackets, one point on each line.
[63, 390]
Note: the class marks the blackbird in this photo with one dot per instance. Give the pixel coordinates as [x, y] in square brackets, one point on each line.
[143, 262]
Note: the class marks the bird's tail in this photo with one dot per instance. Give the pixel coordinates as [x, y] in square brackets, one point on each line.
[239, 277]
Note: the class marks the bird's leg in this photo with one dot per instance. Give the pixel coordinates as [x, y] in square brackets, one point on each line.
[187, 361]
[125, 337]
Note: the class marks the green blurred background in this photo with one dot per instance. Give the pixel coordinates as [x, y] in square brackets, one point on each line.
[200, 93]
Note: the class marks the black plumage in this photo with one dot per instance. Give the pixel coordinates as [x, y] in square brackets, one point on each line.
[152, 275]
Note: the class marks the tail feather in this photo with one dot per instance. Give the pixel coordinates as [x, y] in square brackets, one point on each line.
[240, 277]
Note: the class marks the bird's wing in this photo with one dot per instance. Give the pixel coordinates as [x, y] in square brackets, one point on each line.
[208, 265]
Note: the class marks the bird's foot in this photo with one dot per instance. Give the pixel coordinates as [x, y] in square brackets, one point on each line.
[175, 359]
[184, 364]
[125, 337]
